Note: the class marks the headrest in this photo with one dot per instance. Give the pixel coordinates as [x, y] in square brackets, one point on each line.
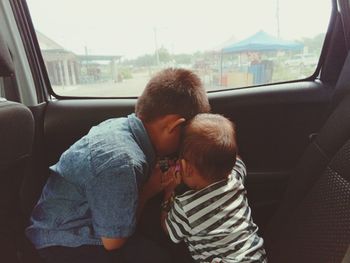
[6, 65]
[16, 133]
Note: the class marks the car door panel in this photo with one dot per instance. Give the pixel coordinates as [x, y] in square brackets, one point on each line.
[273, 127]
[274, 124]
[68, 120]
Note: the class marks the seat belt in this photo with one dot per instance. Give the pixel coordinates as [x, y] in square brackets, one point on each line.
[342, 87]
[11, 88]
[343, 84]
[7, 72]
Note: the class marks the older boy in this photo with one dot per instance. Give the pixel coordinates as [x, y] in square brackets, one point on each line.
[213, 218]
[95, 192]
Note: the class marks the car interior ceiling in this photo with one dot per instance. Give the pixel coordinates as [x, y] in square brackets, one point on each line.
[311, 223]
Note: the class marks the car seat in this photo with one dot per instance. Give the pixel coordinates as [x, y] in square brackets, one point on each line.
[312, 224]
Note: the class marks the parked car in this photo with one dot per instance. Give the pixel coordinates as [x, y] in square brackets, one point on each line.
[302, 60]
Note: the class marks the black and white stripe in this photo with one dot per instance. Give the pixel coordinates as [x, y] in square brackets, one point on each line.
[216, 222]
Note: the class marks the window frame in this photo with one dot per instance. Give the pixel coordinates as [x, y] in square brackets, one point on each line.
[44, 89]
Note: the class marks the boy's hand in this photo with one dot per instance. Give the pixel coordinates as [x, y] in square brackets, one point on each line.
[156, 183]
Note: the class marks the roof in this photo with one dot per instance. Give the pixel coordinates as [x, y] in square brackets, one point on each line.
[261, 41]
[47, 43]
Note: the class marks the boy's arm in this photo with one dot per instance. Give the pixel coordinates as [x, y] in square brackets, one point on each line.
[113, 204]
[155, 184]
[113, 243]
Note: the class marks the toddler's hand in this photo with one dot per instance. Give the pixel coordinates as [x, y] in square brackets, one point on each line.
[175, 178]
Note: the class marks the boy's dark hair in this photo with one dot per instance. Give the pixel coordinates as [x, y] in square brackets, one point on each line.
[210, 145]
[172, 91]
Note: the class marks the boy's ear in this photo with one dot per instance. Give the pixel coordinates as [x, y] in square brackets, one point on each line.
[172, 125]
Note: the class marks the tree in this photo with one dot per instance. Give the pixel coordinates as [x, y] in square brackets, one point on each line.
[164, 55]
[183, 59]
[144, 61]
[314, 45]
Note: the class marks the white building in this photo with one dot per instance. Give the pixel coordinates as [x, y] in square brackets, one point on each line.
[62, 65]
[65, 68]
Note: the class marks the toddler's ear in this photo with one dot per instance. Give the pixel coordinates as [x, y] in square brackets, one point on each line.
[185, 168]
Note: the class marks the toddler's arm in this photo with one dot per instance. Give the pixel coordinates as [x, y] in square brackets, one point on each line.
[174, 174]
[165, 208]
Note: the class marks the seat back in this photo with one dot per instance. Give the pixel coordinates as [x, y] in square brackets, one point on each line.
[313, 222]
[16, 138]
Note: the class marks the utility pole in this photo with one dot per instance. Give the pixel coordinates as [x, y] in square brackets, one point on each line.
[156, 45]
[278, 18]
[86, 63]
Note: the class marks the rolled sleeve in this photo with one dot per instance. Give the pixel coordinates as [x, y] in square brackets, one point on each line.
[240, 170]
[112, 199]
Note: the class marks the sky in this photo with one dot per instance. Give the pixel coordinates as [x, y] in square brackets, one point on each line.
[131, 28]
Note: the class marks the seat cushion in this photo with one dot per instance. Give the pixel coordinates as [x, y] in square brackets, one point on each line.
[319, 228]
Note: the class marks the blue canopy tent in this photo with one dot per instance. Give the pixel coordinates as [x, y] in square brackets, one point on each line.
[258, 43]
[261, 41]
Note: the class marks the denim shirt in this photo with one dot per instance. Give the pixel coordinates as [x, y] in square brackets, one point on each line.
[92, 191]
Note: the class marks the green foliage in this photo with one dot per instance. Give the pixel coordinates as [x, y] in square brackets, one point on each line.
[314, 45]
[184, 59]
[144, 61]
[164, 55]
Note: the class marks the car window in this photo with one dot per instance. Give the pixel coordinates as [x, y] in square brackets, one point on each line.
[111, 48]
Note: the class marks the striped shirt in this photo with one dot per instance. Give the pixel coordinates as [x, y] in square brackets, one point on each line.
[216, 223]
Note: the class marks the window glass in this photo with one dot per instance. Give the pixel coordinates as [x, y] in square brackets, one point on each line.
[111, 48]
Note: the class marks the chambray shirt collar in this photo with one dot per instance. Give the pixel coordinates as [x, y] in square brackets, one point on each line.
[141, 137]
